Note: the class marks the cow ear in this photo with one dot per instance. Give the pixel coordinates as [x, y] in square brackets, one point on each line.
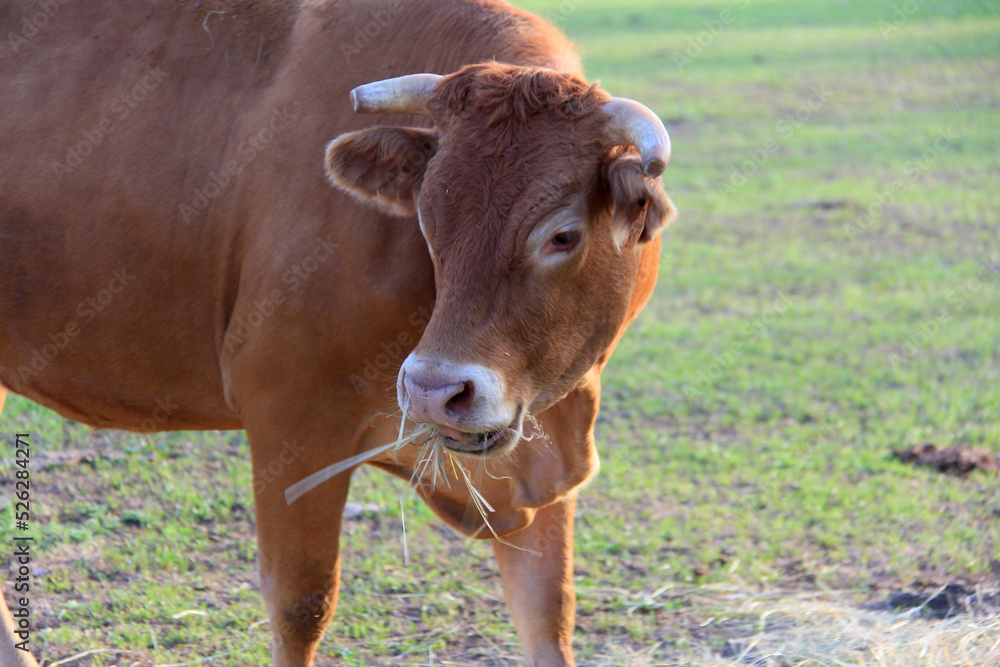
[641, 207]
[383, 166]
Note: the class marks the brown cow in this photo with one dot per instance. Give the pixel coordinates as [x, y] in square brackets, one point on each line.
[175, 257]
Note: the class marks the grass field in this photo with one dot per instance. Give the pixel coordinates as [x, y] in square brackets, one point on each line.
[831, 291]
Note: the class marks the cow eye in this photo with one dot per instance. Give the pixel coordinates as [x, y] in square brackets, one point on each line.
[565, 240]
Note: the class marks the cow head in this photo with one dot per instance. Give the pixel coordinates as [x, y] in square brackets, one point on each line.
[536, 193]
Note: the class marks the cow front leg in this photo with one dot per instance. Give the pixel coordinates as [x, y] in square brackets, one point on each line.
[539, 589]
[299, 551]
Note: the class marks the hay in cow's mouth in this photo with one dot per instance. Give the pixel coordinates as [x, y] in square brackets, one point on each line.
[430, 463]
[482, 443]
[432, 458]
[485, 442]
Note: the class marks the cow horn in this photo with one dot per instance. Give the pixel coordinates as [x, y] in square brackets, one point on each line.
[404, 94]
[635, 124]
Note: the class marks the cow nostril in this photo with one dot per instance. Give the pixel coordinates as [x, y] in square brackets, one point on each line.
[462, 401]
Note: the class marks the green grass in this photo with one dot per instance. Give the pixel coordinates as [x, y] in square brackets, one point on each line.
[748, 416]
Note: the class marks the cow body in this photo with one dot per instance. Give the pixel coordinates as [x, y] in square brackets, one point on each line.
[156, 102]
[172, 256]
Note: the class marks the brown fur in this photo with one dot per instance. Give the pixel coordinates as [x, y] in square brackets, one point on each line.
[508, 93]
[265, 307]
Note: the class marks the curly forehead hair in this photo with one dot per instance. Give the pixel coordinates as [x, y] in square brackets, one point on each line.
[510, 93]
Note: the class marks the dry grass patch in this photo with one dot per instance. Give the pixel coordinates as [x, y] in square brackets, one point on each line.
[828, 628]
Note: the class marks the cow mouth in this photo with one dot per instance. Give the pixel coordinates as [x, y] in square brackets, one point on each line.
[493, 441]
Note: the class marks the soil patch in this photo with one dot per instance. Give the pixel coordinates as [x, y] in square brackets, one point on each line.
[958, 460]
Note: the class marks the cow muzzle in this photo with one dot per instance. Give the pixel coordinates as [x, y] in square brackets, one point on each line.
[465, 403]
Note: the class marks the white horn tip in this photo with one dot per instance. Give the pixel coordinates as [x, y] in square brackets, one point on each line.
[655, 167]
[635, 124]
[403, 94]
